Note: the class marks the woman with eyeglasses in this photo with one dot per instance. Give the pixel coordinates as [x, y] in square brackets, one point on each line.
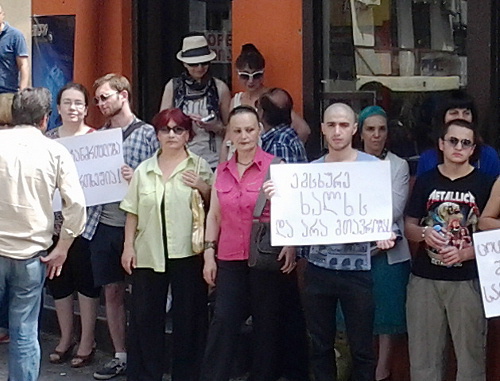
[158, 252]
[391, 268]
[200, 96]
[250, 67]
[76, 274]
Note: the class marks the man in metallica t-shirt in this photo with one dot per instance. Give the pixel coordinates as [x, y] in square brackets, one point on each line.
[443, 292]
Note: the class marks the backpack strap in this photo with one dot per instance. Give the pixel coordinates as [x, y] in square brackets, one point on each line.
[132, 127]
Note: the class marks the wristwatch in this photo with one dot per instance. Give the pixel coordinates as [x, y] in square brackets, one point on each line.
[211, 245]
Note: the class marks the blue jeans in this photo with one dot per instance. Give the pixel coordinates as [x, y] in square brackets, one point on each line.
[4, 311]
[22, 281]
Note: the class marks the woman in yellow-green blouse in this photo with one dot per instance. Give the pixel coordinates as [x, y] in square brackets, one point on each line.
[158, 253]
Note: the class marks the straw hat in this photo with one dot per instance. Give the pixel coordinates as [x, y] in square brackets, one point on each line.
[195, 50]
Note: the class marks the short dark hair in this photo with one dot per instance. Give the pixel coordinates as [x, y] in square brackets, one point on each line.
[476, 137]
[250, 57]
[31, 105]
[276, 105]
[456, 99]
[243, 109]
[74, 86]
[182, 120]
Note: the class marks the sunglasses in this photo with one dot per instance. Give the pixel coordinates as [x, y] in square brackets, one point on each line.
[177, 130]
[248, 76]
[453, 141]
[198, 64]
[104, 97]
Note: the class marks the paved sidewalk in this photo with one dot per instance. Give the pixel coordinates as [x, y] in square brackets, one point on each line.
[63, 372]
[56, 372]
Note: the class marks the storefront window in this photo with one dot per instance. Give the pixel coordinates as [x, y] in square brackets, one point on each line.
[213, 17]
[403, 51]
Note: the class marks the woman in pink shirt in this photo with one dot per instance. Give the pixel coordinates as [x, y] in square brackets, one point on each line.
[241, 290]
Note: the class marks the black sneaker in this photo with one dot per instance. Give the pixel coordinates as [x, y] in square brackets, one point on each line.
[111, 369]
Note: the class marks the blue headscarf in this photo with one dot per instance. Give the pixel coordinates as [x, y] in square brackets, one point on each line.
[370, 111]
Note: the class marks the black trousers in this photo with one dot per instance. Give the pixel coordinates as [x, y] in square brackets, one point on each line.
[242, 291]
[323, 289]
[146, 335]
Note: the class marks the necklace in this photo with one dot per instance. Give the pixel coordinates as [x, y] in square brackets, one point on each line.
[245, 164]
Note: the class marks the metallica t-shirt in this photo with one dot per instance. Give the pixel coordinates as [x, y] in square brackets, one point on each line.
[453, 206]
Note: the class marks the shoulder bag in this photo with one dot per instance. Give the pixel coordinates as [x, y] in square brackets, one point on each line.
[262, 255]
[198, 211]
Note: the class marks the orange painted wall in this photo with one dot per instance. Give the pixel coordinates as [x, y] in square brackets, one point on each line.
[103, 38]
[275, 28]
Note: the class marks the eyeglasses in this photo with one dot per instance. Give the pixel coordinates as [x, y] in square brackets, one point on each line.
[76, 104]
[177, 130]
[453, 141]
[104, 97]
[248, 76]
[198, 64]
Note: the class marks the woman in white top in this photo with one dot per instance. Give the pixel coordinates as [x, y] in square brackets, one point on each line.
[250, 66]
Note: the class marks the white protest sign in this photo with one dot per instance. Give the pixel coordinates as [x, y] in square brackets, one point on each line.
[487, 250]
[98, 157]
[330, 203]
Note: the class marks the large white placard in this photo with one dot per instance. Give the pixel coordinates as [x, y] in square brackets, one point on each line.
[329, 203]
[487, 249]
[98, 157]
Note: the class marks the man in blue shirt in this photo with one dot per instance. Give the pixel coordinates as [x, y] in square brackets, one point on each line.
[340, 273]
[279, 138]
[14, 65]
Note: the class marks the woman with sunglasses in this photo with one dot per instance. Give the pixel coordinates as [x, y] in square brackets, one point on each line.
[202, 97]
[443, 295]
[158, 252]
[250, 66]
[391, 268]
[76, 274]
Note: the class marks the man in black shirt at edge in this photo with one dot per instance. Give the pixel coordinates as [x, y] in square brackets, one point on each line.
[443, 292]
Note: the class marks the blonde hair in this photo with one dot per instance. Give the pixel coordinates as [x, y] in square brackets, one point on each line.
[6, 109]
[116, 81]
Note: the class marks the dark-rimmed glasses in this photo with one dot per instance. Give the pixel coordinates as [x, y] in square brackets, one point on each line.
[104, 97]
[178, 130]
[248, 76]
[453, 141]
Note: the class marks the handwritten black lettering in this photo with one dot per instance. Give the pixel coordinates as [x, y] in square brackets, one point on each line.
[91, 180]
[326, 180]
[98, 151]
[491, 294]
[328, 201]
[284, 229]
[307, 209]
[348, 209]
